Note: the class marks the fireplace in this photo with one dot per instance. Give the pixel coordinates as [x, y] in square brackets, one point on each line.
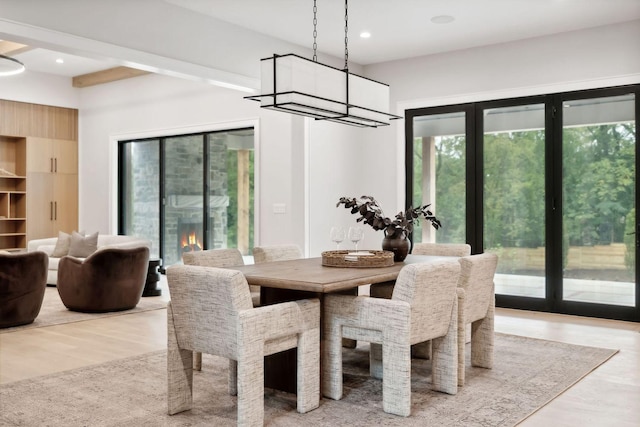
[190, 235]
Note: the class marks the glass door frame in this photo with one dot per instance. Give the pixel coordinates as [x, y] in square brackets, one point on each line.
[553, 301]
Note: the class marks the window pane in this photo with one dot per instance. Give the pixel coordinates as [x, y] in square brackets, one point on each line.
[184, 187]
[231, 189]
[599, 200]
[439, 175]
[141, 191]
[514, 197]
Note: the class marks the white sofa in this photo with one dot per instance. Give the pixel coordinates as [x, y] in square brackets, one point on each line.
[104, 241]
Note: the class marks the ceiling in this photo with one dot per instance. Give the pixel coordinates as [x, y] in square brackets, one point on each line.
[399, 28]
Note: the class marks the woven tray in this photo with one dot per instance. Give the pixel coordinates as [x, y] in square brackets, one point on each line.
[348, 259]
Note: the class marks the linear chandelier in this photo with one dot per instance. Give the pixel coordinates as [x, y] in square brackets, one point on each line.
[10, 66]
[297, 85]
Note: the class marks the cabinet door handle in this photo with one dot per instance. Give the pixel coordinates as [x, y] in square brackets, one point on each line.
[55, 210]
[56, 165]
[51, 211]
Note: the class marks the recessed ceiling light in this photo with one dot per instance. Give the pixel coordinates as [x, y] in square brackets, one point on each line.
[442, 19]
[365, 34]
[60, 61]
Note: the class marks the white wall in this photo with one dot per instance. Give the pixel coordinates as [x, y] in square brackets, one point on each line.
[157, 105]
[39, 88]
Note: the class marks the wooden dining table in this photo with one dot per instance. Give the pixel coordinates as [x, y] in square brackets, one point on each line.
[291, 280]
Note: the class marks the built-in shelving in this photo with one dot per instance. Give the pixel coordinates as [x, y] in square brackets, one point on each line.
[13, 194]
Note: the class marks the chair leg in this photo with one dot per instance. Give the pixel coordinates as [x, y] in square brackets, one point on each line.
[197, 361]
[179, 372]
[482, 337]
[462, 327]
[332, 360]
[308, 386]
[250, 387]
[396, 381]
[445, 357]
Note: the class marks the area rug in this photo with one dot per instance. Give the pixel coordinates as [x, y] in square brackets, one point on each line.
[528, 373]
[53, 311]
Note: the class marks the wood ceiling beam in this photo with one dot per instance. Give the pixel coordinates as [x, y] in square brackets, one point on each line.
[11, 48]
[106, 76]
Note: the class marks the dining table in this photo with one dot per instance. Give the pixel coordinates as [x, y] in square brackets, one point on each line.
[290, 280]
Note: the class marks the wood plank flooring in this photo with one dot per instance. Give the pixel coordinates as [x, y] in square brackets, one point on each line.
[609, 396]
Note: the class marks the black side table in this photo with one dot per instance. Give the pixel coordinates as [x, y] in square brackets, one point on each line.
[153, 276]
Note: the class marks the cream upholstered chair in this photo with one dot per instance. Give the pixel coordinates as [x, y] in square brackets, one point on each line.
[217, 258]
[442, 249]
[476, 306]
[384, 290]
[276, 253]
[210, 311]
[424, 307]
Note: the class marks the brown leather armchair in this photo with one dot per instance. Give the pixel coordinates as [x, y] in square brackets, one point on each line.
[107, 280]
[23, 279]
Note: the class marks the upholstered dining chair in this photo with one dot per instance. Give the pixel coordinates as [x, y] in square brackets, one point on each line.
[220, 258]
[384, 290]
[276, 253]
[424, 307]
[210, 311]
[476, 306]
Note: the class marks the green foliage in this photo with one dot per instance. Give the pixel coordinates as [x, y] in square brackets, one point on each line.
[598, 186]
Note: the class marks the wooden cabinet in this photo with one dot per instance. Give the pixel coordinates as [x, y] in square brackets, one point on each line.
[52, 186]
[38, 172]
[13, 200]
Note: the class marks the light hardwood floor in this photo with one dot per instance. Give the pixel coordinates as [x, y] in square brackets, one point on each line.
[609, 396]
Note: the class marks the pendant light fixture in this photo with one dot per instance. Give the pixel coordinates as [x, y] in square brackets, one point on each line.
[298, 85]
[10, 66]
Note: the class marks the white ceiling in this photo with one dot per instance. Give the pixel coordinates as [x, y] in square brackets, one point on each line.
[399, 28]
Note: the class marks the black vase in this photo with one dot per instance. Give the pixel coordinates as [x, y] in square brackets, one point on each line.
[398, 243]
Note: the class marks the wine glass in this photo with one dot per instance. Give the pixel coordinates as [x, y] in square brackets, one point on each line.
[337, 235]
[355, 235]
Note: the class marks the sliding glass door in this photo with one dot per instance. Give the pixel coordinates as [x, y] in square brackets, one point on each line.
[514, 196]
[546, 182]
[188, 192]
[599, 200]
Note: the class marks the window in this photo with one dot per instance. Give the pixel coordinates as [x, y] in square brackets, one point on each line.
[188, 192]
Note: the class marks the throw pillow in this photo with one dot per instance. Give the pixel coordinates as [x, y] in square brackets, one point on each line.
[62, 245]
[83, 246]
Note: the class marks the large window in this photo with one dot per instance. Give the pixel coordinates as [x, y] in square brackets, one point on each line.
[546, 182]
[188, 192]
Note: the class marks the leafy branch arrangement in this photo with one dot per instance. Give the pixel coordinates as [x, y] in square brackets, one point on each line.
[371, 213]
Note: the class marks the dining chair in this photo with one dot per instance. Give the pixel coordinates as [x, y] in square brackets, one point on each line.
[476, 307]
[270, 253]
[384, 290]
[220, 258]
[211, 312]
[424, 306]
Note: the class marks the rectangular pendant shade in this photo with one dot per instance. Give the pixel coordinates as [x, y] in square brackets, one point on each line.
[297, 85]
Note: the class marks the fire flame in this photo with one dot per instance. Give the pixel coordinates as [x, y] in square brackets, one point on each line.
[191, 242]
